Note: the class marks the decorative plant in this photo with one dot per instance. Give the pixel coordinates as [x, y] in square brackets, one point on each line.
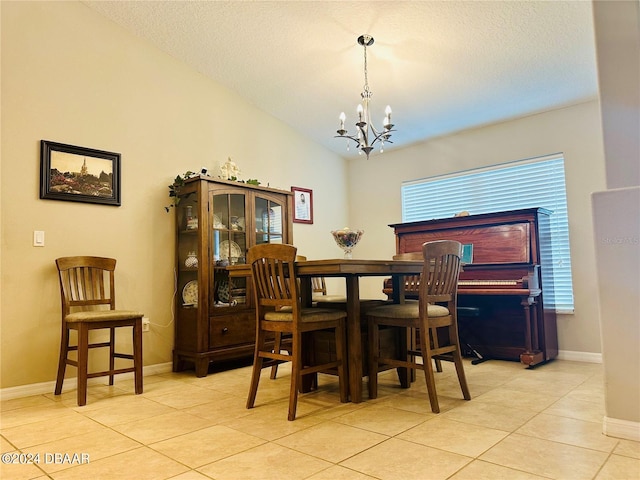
[229, 171]
[174, 188]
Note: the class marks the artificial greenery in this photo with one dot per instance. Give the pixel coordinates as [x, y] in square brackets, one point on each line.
[178, 183]
[174, 188]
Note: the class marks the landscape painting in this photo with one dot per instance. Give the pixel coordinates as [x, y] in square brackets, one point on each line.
[79, 174]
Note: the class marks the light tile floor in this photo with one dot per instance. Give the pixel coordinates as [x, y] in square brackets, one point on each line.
[542, 423]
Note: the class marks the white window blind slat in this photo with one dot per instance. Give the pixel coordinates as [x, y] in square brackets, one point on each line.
[516, 185]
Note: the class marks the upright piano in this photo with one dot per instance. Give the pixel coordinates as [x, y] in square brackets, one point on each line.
[507, 274]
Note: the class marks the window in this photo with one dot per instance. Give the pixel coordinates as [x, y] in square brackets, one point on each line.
[523, 184]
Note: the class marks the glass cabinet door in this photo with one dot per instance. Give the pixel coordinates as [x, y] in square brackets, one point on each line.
[229, 229]
[269, 221]
[187, 251]
[228, 247]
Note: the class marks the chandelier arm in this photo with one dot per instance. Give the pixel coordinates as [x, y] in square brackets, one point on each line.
[381, 137]
[348, 137]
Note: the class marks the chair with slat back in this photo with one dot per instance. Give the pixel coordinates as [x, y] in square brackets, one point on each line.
[412, 290]
[280, 342]
[434, 314]
[320, 295]
[319, 298]
[87, 289]
[278, 310]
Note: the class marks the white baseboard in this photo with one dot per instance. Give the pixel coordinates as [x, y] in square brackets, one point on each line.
[586, 357]
[71, 383]
[614, 427]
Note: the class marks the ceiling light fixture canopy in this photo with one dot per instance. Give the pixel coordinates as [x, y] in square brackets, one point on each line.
[367, 134]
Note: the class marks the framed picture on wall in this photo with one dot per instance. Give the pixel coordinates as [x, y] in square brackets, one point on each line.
[302, 205]
[79, 174]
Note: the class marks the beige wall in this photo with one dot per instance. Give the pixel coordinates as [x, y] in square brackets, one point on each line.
[71, 76]
[573, 131]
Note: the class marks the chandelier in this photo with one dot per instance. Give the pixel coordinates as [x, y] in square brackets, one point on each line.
[367, 134]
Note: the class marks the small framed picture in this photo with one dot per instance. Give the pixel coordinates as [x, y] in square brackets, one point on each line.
[302, 205]
[467, 253]
[79, 174]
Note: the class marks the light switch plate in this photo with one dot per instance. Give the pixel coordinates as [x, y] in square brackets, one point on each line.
[38, 238]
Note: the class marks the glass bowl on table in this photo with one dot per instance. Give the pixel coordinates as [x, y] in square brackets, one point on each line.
[347, 239]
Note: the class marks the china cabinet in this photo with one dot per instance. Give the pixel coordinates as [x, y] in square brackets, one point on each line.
[217, 221]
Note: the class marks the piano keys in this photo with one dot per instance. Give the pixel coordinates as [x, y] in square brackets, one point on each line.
[504, 286]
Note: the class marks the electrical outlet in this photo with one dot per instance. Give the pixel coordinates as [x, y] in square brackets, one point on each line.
[146, 324]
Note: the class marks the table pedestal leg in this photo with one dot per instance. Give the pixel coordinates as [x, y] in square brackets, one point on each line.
[354, 339]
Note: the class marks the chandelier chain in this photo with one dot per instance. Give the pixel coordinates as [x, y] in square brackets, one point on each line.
[366, 79]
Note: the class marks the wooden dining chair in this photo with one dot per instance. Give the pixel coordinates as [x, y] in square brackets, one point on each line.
[319, 298]
[87, 289]
[319, 292]
[281, 342]
[279, 310]
[412, 292]
[434, 318]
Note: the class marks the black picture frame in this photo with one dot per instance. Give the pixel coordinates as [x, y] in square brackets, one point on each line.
[79, 174]
[302, 205]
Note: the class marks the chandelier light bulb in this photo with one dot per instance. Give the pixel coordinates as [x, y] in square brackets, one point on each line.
[367, 135]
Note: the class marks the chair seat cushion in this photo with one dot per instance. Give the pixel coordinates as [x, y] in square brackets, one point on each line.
[407, 310]
[102, 315]
[329, 298]
[307, 314]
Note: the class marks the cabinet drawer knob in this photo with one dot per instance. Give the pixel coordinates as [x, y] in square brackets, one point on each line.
[225, 330]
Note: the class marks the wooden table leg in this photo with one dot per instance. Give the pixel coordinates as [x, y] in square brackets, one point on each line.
[308, 381]
[405, 375]
[354, 338]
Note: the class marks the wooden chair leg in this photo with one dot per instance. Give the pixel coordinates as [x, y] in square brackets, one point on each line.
[277, 346]
[457, 360]
[404, 341]
[296, 377]
[83, 360]
[309, 382]
[62, 359]
[137, 355]
[434, 338]
[413, 346]
[257, 369]
[112, 353]
[454, 339]
[341, 351]
[427, 366]
[374, 353]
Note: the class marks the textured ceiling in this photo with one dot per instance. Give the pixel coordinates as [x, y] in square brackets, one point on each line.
[443, 66]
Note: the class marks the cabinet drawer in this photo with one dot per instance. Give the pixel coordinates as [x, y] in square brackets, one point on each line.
[227, 330]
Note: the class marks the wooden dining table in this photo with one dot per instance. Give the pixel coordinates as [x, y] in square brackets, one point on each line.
[351, 270]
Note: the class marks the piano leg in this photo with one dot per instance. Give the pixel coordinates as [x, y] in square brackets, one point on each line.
[532, 356]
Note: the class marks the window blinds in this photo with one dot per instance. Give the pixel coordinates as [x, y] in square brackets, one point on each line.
[510, 186]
